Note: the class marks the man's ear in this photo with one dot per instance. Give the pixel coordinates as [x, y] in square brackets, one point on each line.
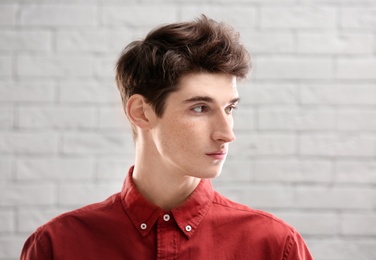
[138, 111]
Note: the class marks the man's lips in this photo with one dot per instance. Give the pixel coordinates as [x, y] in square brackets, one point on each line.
[219, 155]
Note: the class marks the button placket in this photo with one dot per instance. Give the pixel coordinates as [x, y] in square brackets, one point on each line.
[188, 228]
[166, 217]
[143, 226]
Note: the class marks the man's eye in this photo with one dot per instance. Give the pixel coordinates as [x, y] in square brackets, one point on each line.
[200, 109]
[229, 109]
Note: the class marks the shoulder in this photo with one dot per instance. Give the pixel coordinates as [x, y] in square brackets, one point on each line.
[268, 236]
[250, 217]
[67, 229]
[95, 210]
[81, 218]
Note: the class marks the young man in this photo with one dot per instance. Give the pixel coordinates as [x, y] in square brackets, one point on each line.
[178, 88]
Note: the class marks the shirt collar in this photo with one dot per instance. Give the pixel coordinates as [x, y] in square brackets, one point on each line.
[143, 214]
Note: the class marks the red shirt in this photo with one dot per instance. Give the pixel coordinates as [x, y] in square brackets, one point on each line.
[127, 226]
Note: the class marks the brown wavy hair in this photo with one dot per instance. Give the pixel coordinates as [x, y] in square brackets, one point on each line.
[153, 67]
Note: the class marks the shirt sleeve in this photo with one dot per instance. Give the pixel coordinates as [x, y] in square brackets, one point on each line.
[296, 249]
[37, 247]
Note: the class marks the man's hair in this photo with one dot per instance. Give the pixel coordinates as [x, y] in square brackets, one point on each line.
[153, 67]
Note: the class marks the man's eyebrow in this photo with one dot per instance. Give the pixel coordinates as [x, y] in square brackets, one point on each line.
[235, 100]
[199, 98]
[208, 99]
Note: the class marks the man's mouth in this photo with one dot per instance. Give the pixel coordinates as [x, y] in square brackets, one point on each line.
[219, 155]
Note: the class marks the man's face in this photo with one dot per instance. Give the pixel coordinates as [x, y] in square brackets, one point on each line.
[192, 136]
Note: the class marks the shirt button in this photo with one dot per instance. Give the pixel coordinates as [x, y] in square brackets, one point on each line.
[166, 217]
[188, 228]
[143, 226]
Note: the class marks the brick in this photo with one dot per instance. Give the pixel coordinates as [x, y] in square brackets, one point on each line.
[113, 169]
[337, 145]
[244, 119]
[98, 41]
[258, 196]
[298, 17]
[27, 92]
[262, 144]
[268, 42]
[332, 43]
[268, 94]
[48, 117]
[27, 194]
[358, 224]
[29, 220]
[141, 32]
[269, 196]
[113, 118]
[98, 143]
[6, 117]
[237, 16]
[293, 170]
[334, 197]
[59, 169]
[89, 92]
[358, 17]
[236, 171]
[338, 94]
[8, 14]
[337, 249]
[24, 40]
[7, 223]
[312, 223]
[10, 246]
[252, 1]
[109, 1]
[28, 143]
[63, 66]
[105, 67]
[233, 193]
[295, 119]
[5, 169]
[6, 64]
[87, 193]
[355, 172]
[357, 120]
[292, 68]
[58, 15]
[336, 1]
[134, 15]
[360, 68]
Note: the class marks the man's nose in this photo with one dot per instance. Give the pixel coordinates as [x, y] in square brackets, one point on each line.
[223, 128]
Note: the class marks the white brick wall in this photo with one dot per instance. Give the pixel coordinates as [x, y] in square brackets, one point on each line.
[306, 126]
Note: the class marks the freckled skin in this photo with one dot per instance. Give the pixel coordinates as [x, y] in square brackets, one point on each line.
[189, 130]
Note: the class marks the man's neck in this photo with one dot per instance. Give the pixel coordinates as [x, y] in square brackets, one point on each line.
[161, 186]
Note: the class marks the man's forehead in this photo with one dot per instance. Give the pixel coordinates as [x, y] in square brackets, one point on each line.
[215, 88]
[207, 76]
[208, 84]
